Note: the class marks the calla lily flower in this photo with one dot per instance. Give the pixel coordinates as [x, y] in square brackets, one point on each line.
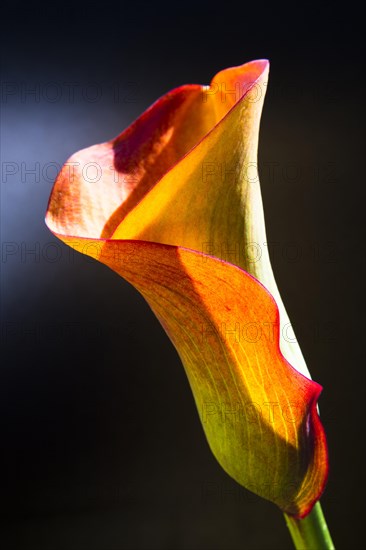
[173, 205]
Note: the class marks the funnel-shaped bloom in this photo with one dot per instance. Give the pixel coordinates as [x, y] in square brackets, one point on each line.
[173, 205]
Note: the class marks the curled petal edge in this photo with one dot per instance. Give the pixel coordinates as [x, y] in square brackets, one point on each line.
[282, 457]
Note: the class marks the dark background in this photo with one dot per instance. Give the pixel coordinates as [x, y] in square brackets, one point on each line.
[101, 442]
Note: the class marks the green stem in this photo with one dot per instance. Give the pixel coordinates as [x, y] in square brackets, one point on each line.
[310, 533]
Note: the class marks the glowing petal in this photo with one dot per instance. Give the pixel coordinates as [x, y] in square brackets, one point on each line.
[184, 175]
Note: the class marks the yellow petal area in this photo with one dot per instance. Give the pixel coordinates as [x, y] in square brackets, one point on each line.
[99, 185]
[210, 201]
[206, 199]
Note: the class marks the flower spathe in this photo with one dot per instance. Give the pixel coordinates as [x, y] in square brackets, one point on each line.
[176, 211]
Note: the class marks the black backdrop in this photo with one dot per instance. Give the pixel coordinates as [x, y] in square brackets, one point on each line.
[97, 453]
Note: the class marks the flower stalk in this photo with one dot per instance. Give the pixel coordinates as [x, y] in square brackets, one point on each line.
[311, 532]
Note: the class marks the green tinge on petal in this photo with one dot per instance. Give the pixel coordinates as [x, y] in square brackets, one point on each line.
[259, 414]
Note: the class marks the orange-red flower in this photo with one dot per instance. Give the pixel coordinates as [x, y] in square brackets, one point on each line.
[173, 205]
